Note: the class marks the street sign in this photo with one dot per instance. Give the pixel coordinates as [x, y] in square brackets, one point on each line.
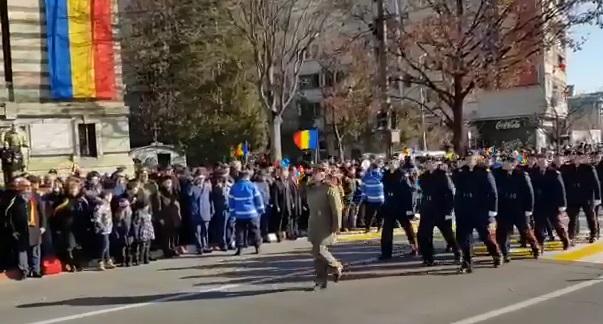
[395, 136]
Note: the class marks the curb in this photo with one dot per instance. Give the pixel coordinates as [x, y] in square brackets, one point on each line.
[580, 253]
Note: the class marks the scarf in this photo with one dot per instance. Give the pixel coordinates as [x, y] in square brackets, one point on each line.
[33, 213]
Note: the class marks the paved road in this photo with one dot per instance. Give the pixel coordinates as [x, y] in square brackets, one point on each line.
[273, 288]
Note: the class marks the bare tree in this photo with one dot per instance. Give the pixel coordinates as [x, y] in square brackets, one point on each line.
[457, 47]
[349, 95]
[280, 33]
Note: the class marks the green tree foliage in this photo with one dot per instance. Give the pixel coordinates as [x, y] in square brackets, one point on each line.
[190, 76]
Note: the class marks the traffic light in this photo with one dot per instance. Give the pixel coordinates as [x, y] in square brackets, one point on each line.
[382, 120]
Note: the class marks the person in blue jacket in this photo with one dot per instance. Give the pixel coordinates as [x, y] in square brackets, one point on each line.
[373, 195]
[201, 211]
[246, 205]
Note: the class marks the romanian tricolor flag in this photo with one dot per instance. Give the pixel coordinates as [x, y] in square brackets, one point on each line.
[81, 57]
[241, 150]
[306, 139]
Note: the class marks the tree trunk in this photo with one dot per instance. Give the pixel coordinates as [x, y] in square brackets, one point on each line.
[338, 137]
[339, 144]
[276, 151]
[458, 128]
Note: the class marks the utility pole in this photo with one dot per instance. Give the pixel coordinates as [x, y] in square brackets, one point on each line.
[423, 102]
[381, 29]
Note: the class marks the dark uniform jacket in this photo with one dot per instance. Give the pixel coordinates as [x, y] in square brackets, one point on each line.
[475, 193]
[515, 192]
[549, 190]
[599, 169]
[398, 190]
[437, 193]
[581, 183]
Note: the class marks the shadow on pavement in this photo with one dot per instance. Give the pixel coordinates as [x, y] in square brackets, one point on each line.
[159, 298]
[284, 268]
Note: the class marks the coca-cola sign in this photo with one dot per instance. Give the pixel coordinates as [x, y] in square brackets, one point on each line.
[508, 124]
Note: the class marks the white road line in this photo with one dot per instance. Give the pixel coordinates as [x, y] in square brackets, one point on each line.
[178, 296]
[529, 302]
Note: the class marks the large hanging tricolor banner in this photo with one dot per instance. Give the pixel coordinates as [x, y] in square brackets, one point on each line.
[81, 57]
[306, 139]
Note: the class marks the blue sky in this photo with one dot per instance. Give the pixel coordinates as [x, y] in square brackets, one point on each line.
[585, 67]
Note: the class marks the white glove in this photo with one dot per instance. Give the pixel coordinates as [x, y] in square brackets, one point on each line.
[448, 217]
[562, 209]
[410, 213]
[528, 213]
[492, 213]
[42, 230]
[597, 202]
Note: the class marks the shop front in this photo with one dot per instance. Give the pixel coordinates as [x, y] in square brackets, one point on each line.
[508, 134]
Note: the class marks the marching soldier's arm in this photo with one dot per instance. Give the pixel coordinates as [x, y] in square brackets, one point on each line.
[560, 192]
[407, 195]
[336, 209]
[492, 193]
[596, 185]
[449, 194]
[529, 193]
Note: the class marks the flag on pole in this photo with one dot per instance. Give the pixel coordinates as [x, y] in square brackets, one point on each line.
[239, 151]
[306, 139]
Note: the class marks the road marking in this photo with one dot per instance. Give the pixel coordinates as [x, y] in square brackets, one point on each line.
[529, 302]
[183, 295]
[580, 253]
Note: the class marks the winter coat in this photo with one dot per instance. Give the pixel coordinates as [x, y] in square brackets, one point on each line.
[285, 198]
[74, 222]
[264, 189]
[17, 216]
[103, 218]
[200, 206]
[219, 197]
[142, 225]
[122, 222]
[169, 214]
[324, 202]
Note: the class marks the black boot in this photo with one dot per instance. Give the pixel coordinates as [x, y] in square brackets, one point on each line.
[535, 253]
[238, 252]
[320, 286]
[506, 259]
[466, 267]
[497, 262]
[429, 263]
[457, 258]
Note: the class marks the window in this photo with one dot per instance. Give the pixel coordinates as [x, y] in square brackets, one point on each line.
[561, 62]
[87, 136]
[310, 81]
[333, 78]
[310, 110]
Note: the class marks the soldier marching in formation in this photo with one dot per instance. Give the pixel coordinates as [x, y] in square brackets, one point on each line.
[533, 194]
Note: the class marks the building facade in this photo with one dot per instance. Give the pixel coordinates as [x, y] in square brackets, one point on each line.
[585, 111]
[87, 127]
